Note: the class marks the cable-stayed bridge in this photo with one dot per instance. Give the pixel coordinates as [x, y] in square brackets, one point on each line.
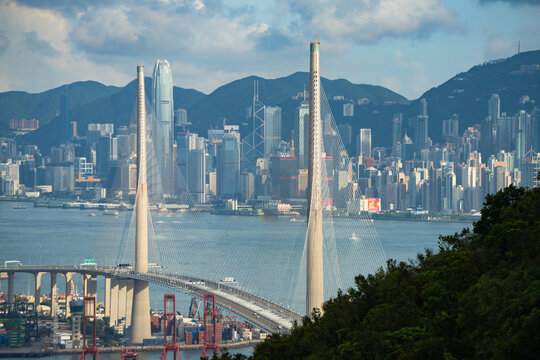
[268, 315]
[191, 260]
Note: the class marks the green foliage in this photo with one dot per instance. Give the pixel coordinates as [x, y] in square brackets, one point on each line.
[477, 298]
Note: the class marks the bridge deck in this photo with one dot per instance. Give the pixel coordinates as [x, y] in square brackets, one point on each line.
[264, 313]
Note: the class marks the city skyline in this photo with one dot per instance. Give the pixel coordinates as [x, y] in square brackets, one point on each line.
[408, 46]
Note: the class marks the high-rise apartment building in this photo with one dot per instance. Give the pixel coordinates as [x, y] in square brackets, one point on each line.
[162, 129]
[348, 109]
[450, 128]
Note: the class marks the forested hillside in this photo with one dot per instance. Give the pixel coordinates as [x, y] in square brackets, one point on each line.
[478, 297]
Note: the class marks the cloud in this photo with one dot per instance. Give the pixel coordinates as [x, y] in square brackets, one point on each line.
[368, 21]
[34, 44]
[511, 2]
[4, 42]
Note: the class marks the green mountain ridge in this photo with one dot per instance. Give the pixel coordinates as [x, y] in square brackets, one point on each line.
[465, 94]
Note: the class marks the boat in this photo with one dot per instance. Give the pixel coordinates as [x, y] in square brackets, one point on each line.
[18, 207]
[110, 212]
[129, 354]
[354, 237]
[91, 214]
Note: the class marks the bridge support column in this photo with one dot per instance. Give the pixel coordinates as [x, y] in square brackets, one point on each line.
[69, 276]
[129, 302]
[114, 291]
[37, 291]
[11, 280]
[90, 285]
[107, 302]
[122, 290]
[140, 326]
[54, 293]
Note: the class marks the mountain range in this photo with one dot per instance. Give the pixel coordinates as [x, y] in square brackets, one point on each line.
[465, 94]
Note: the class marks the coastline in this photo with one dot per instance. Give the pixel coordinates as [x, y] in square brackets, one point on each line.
[86, 205]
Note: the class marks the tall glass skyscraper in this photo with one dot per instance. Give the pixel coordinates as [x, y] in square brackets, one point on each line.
[272, 129]
[162, 129]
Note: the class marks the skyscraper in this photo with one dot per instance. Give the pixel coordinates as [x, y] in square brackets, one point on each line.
[364, 143]
[162, 129]
[423, 107]
[421, 132]
[196, 168]
[494, 107]
[228, 163]
[64, 113]
[302, 134]
[272, 129]
[396, 128]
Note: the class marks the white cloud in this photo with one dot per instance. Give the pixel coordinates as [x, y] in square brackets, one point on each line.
[365, 21]
[38, 54]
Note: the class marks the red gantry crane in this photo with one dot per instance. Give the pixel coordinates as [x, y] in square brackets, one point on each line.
[169, 321]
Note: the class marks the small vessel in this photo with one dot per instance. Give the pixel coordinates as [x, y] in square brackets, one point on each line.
[91, 214]
[354, 237]
[110, 212]
[129, 354]
[18, 207]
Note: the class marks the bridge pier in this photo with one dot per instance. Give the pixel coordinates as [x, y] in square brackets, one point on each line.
[11, 296]
[37, 291]
[114, 291]
[107, 302]
[128, 301]
[69, 276]
[54, 293]
[90, 285]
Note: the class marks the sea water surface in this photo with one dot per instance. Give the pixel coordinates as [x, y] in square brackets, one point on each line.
[264, 254]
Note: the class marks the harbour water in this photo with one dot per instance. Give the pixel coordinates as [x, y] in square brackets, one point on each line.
[263, 254]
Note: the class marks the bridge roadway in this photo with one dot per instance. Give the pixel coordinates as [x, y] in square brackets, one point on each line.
[264, 313]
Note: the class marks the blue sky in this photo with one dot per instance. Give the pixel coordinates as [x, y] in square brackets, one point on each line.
[408, 46]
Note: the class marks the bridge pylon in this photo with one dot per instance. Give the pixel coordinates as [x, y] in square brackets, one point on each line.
[314, 236]
[140, 320]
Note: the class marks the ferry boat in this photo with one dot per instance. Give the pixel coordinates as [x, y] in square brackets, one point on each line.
[18, 207]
